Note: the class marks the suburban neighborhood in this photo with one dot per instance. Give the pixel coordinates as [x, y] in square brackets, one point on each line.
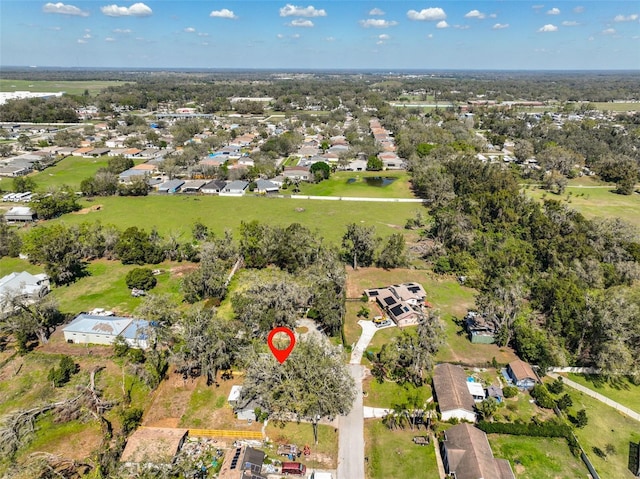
[456, 259]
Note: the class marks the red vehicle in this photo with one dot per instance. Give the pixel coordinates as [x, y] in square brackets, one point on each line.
[294, 468]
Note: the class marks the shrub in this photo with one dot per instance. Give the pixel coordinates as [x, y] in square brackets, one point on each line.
[556, 386]
[61, 375]
[131, 419]
[510, 392]
[541, 394]
[141, 278]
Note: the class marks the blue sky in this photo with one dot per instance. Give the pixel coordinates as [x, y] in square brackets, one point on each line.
[328, 34]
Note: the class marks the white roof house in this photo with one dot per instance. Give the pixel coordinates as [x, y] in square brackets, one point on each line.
[90, 329]
[24, 285]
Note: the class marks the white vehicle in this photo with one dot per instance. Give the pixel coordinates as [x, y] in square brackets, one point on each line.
[7, 197]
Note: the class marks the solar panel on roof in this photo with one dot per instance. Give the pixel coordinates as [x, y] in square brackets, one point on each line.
[374, 293]
[397, 310]
[413, 289]
[389, 300]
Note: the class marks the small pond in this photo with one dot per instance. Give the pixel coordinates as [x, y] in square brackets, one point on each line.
[379, 180]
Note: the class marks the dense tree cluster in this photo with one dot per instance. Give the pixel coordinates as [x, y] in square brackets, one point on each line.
[39, 110]
[550, 280]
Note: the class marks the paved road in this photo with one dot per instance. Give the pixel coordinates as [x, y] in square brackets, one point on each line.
[351, 439]
[590, 392]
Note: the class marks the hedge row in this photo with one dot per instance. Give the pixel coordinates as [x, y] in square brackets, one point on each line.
[537, 430]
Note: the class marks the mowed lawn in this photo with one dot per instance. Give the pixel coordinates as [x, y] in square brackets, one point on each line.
[537, 457]
[595, 201]
[69, 171]
[620, 390]
[71, 87]
[606, 426]
[354, 184]
[104, 287]
[177, 214]
[392, 454]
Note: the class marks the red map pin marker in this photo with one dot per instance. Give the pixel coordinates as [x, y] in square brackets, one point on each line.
[281, 354]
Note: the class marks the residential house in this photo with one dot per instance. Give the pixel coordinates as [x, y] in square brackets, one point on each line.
[453, 396]
[243, 409]
[128, 175]
[153, 445]
[23, 285]
[265, 186]
[20, 214]
[213, 187]
[403, 303]
[476, 390]
[243, 462]
[96, 152]
[235, 188]
[522, 374]
[466, 454]
[495, 392]
[171, 186]
[83, 152]
[193, 186]
[297, 173]
[358, 164]
[95, 329]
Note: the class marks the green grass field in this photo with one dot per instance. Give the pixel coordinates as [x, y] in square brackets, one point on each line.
[595, 201]
[536, 457]
[70, 87]
[104, 287]
[606, 427]
[621, 391]
[338, 185]
[178, 214]
[389, 395]
[392, 454]
[624, 106]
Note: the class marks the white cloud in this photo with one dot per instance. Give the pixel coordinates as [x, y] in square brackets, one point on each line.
[330, 39]
[86, 36]
[537, 7]
[475, 14]
[135, 10]
[63, 9]
[203, 34]
[376, 11]
[430, 36]
[553, 11]
[500, 26]
[81, 40]
[55, 29]
[109, 39]
[493, 15]
[462, 27]
[578, 9]
[609, 31]
[442, 24]
[629, 18]
[548, 28]
[224, 13]
[377, 23]
[280, 36]
[570, 23]
[189, 30]
[384, 36]
[295, 35]
[294, 11]
[427, 14]
[299, 22]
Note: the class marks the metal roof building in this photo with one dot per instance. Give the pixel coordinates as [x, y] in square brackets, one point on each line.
[90, 329]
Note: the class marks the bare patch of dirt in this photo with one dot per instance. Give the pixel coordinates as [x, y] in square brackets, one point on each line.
[180, 271]
[170, 400]
[90, 209]
[57, 345]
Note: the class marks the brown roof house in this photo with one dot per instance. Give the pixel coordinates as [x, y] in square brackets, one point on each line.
[155, 445]
[452, 394]
[466, 454]
[403, 303]
[521, 374]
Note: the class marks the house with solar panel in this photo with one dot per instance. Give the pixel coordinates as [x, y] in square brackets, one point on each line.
[243, 463]
[97, 329]
[402, 303]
